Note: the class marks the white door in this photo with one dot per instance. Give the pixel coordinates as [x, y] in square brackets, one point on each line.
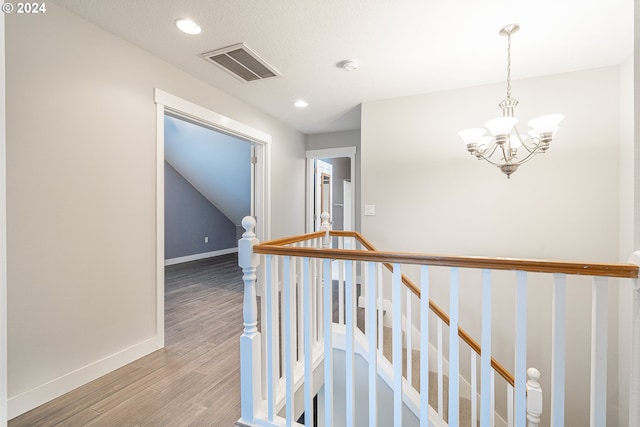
[348, 206]
[323, 190]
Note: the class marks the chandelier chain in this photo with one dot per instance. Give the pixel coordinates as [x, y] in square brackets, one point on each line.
[509, 65]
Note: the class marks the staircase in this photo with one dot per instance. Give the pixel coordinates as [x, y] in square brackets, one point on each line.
[373, 349]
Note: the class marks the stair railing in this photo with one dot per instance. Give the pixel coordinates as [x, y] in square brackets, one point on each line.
[301, 331]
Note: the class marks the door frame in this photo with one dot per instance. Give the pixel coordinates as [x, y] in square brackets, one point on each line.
[328, 153]
[260, 182]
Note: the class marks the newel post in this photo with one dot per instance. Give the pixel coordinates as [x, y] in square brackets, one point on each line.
[250, 349]
[634, 392]
[325, 226]
[534, 398]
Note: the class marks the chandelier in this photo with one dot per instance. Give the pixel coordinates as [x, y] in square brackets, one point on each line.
[507, 148]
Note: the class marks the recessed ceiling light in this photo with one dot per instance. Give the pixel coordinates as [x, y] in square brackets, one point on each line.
[188, 26]
[301, 103]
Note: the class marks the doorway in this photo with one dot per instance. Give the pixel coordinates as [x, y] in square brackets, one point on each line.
[260, 173]
[207, 184]
[331, 187]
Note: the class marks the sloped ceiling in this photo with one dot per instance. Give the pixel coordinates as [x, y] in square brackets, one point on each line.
[217, 165]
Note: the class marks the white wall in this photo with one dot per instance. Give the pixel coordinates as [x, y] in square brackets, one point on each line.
[81, 138]
[431, 196]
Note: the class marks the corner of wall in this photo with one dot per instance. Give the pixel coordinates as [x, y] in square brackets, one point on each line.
[3, 240]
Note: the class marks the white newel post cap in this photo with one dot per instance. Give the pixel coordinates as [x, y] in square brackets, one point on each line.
[534, 397]
[325, 218]
[246, 257]
[325, 226]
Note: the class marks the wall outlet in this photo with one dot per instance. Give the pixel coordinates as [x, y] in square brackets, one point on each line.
[369, 210]
[206, 239]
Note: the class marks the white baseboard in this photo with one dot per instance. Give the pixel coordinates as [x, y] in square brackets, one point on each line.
[28, 400]
[196, 257]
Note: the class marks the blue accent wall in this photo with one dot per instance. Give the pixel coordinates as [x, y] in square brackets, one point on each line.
[189, 217]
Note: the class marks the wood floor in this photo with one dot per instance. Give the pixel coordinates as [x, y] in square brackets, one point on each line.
[193, 381]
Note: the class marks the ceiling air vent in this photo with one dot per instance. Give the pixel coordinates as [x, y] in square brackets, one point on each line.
[241, 62]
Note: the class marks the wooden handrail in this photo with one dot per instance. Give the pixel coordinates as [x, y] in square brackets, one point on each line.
[529, 265]
[275, 247]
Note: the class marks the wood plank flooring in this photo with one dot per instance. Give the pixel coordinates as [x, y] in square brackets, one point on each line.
[193, 381]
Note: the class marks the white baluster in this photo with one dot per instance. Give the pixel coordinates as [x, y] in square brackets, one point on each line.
[485, 357]
[509, 405]
[440, 371]
[297, 280]
[308, 354]
[534, 398]
[474, 388]
[289, 339]
[492, 400]
[521, 349]
[454, 349]
[250, 347]
[326, 244]
[328, 344]
[341, 274]
[370, 329]
[380, 308]
[599, 314]
[350, 345]
[409, 339]
[396, 293]
[634, 395]
[558, 349]
[424, 346]
[270, 337]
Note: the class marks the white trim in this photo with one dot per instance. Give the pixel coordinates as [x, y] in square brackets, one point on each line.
[219, 121]
[48, 391]
[160, 225]
[326, 153]
[329, 153]
[196, 257]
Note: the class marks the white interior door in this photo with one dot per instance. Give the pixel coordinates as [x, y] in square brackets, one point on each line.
[323, 190]
[348, 206]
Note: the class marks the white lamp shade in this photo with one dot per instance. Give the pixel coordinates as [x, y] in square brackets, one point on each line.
[547, 123]
[472, 136]
[501, 125]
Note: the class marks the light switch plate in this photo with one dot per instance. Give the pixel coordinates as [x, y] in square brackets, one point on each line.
[369, 210]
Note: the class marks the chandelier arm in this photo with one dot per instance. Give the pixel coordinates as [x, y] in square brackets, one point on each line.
[507, 160]
[489, 152]
[529, 148]
[488, 160]
[526, 159]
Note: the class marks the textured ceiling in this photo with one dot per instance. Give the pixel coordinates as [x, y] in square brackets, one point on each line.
[404, 47]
